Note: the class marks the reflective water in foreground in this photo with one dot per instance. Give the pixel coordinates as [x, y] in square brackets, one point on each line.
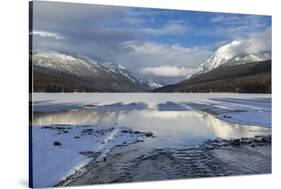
[171, 128]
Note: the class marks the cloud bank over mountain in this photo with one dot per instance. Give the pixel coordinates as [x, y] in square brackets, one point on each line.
[257, 43]
[154, 43]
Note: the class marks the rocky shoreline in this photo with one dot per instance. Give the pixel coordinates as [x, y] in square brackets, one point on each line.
[251, 141]
[218, 157]
[95, 156]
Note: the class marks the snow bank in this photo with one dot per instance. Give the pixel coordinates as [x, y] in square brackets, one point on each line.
[61, 150]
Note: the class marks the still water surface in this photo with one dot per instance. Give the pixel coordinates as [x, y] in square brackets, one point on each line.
[171, 128]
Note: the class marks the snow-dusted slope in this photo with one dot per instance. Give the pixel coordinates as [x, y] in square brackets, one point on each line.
[217, 60]
[152, 84]
[117, 68]
[226, 57]
[66, 63]
[85, 70]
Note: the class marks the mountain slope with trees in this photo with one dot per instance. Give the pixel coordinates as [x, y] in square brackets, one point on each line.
[252, 77]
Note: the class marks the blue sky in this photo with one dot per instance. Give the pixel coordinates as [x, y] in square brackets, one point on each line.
[196, 28]
[171, 41]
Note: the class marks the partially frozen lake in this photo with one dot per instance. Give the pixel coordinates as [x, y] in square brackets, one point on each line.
[172, 128]
[176, 120]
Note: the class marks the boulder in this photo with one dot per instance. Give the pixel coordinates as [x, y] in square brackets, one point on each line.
[57, 143]
[235, 142]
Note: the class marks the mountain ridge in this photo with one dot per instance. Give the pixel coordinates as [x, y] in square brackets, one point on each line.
[91, 74]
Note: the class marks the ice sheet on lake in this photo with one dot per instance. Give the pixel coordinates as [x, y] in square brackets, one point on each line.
[256, 111]
[119, 107]
[249, 106]
[261, 118]
[171, 106]
[50, 107]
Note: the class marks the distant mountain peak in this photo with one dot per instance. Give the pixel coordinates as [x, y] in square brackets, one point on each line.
[152, 84]
[118, 68]
[218, 60]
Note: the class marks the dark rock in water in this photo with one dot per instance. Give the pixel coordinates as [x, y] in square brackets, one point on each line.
[57, 143]
[87, 130]
[137, 132]
[140, 139]
[235, 142]
[268, 139]
[104, 159]
[227, 116]
[124, 131]
[215, 140]
[246, 141]
[259, 139]
[149, 134]
[76, 137]
[60, 128]
[47, 127]
[252, 142]
[65, 132]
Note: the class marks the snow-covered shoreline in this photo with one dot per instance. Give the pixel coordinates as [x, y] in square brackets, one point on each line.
[60, 151]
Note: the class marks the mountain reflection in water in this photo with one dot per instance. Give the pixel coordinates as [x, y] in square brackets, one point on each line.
[172, 128]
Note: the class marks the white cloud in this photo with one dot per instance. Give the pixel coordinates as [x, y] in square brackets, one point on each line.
[161, 59]
[229, 50]
[47, 34]
[227, 19]
[133, 21]
[256, 43]
[167, 71]
[168, 29]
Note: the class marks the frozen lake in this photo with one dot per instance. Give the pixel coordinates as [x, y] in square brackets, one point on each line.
[176, 120]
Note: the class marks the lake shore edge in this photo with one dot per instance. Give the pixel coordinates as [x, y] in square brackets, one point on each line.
[218, 151]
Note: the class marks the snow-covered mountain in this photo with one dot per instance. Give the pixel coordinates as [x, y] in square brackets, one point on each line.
[118, 68]
[88, 71]
[152, 84]
[218, 60]
[148, 84]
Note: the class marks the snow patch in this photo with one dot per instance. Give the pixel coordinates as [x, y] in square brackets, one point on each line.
[61, 150]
